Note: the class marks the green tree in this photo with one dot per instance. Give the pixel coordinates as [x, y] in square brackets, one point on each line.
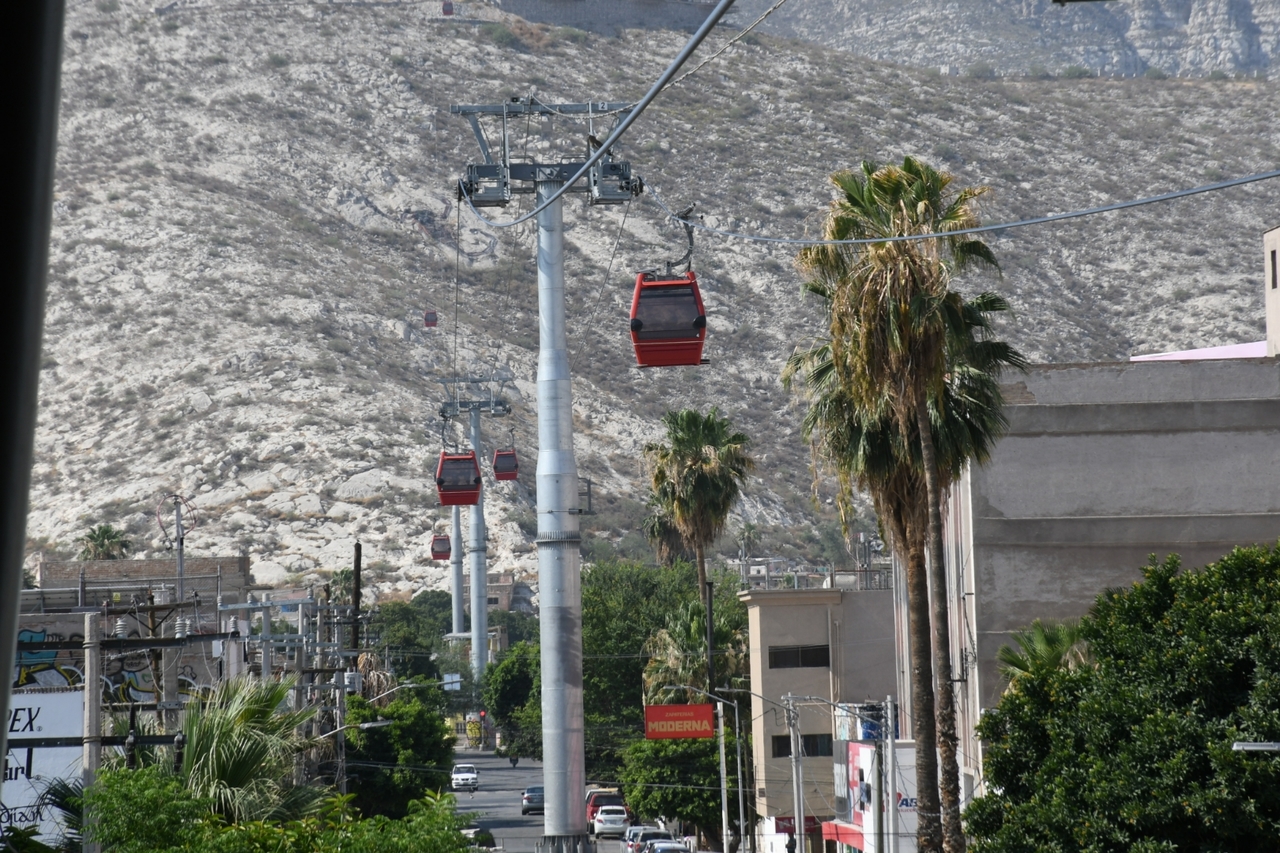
[391, 766]
[623, 603]
[103, 542]
[697, 476]
[896, 328]
[1133, 752]
[678, 778]
[144, 810]
[511, 687]
[660, 529]
[678, 651]
[412, 632]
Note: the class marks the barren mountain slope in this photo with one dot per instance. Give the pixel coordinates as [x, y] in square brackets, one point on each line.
[1190, 38]
[255, 204]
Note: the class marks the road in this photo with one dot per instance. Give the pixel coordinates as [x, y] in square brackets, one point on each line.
[497, 803]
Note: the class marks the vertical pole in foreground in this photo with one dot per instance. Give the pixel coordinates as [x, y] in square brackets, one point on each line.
[797, 772]
[724, 784]
[559, 559]
[477, 552]
[891, 782]
[455, 563]
[178, 534]
[92, 719]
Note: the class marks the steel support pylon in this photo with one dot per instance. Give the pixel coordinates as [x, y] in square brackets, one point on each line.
[559, 558]
[477, 561]
[455, 566]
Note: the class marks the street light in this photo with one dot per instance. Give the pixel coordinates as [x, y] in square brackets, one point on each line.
[724, 784]
[342, 747]
[408, 684]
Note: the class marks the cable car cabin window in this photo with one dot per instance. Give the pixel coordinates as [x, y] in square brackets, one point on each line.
[458, 475]
[794, 657]
[667, 313]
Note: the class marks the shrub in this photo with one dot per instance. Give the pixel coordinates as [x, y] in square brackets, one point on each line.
[1154, 73]
[145, 810]
[981, 71]
[1076, 72]
[499, 34]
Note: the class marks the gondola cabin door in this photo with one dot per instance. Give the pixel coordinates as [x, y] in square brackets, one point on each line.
[668, 321]
[458, 479]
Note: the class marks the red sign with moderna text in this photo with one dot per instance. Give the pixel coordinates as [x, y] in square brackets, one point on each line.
[672, 721]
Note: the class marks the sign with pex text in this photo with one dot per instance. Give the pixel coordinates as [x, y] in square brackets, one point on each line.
[672, 721]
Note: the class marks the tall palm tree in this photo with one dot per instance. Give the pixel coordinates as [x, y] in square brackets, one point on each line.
[661, 531]
[697, 476]
[677, 654]
[896, 327]
[103, 542]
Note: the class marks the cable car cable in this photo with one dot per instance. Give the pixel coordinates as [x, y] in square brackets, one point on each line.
[730, 43]
[626, 211]
[622, 127]
[982, 229]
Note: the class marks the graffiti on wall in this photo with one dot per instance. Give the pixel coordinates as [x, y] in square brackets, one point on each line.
[126, 677]
[46, 668]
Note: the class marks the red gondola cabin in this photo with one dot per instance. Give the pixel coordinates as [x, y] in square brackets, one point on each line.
[430, 320]
[668, 322]
[447, 7]
[458, 479]
[505, 465]
[440, 547]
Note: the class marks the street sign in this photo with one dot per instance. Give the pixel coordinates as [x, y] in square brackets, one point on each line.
[678, 721]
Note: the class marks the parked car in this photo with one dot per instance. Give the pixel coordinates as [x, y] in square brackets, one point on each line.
[464, 778]
[610, 820]
[647, 837]
[629, 839]
[531, 800]
[666, 847]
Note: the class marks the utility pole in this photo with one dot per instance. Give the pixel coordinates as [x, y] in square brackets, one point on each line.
[797, 770]
[355, 600]
[477, 549]
[891, 784]
[178, 534]
[492, 184]
[92, 717]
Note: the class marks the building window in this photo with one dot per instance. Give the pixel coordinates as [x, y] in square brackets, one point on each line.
[812, 746]
[492, 601]
[792, 657]
[1273, 269]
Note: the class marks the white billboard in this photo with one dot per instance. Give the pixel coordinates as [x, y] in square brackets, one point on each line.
[28, 770]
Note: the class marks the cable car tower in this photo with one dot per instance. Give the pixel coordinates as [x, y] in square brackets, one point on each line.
[477, 549]
[492, 184]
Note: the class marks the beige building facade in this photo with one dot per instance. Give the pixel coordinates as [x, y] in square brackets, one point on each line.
[833, 644]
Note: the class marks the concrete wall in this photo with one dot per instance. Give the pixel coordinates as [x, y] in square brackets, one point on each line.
[858, 625]
[1104, 465]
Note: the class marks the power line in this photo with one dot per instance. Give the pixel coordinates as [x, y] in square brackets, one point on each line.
[1038, 220]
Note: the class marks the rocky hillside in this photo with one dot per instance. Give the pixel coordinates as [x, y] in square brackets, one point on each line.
[254, 206]
[1192, 38]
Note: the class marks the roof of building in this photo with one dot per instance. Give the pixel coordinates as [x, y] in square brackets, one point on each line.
[1255, 349]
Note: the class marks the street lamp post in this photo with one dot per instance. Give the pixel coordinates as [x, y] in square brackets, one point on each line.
[797, 772]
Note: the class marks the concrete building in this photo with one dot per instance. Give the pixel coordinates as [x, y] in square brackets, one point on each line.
[836, 644]
[1103, 465]
[504, 593]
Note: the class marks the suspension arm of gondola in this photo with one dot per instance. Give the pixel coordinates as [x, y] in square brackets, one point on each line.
[683, 218]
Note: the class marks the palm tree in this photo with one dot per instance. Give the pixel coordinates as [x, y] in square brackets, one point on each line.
[103, 542]
[677, 654]
[240, 752]
[663, 535]
[895, 329]
[697, 476]
[1041, 649]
